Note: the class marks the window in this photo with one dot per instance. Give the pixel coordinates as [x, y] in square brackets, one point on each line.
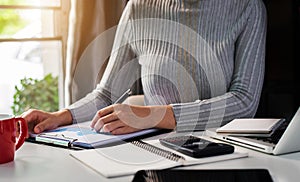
[33, 37]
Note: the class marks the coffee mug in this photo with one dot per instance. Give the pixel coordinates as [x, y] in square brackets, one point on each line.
[9, 142]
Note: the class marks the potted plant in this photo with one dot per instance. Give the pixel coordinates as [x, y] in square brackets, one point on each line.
[33, 93]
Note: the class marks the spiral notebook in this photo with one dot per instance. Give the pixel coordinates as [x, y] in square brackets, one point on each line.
[129, 158]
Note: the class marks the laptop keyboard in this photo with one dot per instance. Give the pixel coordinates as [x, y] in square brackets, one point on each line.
[275, 137]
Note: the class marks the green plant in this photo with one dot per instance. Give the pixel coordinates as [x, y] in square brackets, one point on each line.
[11, 20]
[33, 93]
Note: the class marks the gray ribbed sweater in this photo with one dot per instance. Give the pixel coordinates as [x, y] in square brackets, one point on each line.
[204, 57]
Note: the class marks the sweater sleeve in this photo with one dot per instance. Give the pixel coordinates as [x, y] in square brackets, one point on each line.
[242, 97]
[120, 74]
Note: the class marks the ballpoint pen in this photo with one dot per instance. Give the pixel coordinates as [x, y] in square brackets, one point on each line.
[123, 96]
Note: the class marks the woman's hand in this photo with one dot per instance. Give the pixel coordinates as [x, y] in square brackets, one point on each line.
[39, 121]
[122, 118]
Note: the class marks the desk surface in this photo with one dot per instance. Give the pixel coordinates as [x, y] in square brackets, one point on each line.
[37, 163]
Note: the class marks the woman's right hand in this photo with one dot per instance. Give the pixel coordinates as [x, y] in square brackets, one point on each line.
[39, 121]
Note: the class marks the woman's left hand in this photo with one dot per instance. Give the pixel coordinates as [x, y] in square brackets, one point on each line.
[122, 118]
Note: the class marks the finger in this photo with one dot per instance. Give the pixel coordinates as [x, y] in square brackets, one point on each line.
[109, 118]
[45, 125]
[98, 125]
[124, 130]
[95, 120]
[34, 115]
[113, 125]
[101, 113]
[106, 119]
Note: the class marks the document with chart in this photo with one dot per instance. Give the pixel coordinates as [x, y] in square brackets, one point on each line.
[81, 135]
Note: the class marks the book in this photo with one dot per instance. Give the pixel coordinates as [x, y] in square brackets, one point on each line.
[127, 159]
[82, 136]
[251, 127]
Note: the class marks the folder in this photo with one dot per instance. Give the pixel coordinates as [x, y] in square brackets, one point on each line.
[82, 136]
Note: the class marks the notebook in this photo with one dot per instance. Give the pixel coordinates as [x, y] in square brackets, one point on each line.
[129, 158]
[284, 140]
[82, 136]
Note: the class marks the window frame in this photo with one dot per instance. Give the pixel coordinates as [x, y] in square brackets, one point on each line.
[61, 22]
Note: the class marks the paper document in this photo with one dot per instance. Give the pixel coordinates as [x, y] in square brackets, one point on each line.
[81, 135]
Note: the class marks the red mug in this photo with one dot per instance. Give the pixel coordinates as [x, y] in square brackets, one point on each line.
[9, 142]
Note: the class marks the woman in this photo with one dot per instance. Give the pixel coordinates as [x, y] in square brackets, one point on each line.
[201, 64]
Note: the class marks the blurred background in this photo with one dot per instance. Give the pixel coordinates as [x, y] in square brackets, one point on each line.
[31, 40]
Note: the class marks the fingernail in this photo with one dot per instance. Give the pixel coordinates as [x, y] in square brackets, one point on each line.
[37, 129]
[98, 126]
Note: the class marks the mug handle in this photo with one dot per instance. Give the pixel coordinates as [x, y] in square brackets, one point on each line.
[23, 133]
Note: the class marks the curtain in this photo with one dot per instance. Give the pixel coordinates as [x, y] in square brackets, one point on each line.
[91, 32]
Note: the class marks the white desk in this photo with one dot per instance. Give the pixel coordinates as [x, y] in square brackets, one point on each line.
[283, 168]
[41, 163]
[36, 163]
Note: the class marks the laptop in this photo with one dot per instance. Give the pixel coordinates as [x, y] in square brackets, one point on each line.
[284, 140]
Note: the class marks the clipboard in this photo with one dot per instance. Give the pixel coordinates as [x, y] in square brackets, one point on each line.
[80, 136]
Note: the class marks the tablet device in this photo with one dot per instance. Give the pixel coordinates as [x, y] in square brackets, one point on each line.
[224, 175]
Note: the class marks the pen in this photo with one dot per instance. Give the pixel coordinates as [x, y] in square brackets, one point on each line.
[123, 96]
